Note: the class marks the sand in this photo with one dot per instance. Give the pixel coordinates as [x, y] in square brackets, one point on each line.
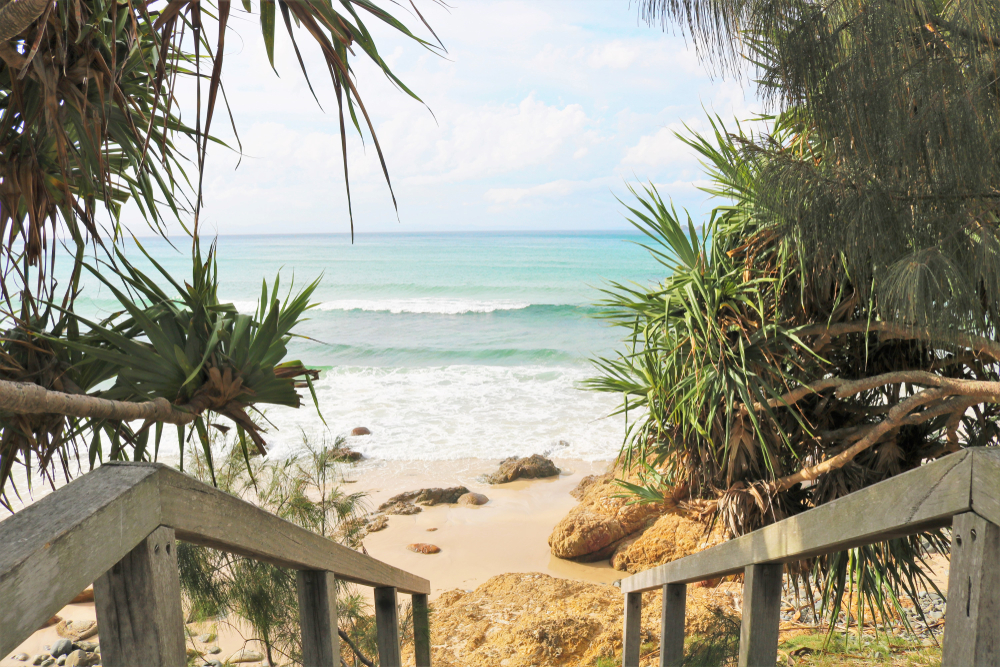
[508, 534]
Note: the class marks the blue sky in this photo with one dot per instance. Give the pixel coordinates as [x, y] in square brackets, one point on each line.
[543, 110]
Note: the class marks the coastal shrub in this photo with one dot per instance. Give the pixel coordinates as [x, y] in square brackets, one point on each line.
[834, 322]
[305, 489]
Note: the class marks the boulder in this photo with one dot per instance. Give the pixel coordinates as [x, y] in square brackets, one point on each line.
[428, 496]
[672, 536]
[472, 499]
[581, 489]
[344, 455]
[593, 529]
[360, 430]
[531, 619]
[422, 548]
[530, 467]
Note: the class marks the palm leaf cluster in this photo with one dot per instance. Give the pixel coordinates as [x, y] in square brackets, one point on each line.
[90, 92]
[764, 390]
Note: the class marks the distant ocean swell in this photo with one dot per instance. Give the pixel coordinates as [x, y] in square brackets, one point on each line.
[435, 306]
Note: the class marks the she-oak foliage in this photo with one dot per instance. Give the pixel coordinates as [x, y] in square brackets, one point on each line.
[835, 323]
[89, 119]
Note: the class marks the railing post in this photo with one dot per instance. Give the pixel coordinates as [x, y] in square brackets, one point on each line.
[138, 604]
[632, 638]
[318, 618]
[387, 627]
[761, 614]
[421, 631]
[672, 625]
[972, 621]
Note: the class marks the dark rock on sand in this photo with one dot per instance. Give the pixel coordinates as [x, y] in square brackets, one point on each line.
[399, 508]
[530, 467]
[428, 496]
[361, 430]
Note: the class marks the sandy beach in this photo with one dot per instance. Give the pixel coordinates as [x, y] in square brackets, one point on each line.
[508, 534]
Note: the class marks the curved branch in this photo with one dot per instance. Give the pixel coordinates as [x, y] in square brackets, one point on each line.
[978, 344]
[357, 652]
[25, 398]
[898, 416]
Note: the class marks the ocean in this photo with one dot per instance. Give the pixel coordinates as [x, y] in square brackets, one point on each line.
[445, 345]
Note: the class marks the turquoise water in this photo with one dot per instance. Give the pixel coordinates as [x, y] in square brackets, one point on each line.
[444, 345]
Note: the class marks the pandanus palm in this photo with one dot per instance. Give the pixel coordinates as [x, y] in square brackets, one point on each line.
[89, 98]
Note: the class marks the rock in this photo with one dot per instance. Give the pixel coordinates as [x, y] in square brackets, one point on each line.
[378, 523]
[49, 662]
[422, 548]
[213, 650]
[52, 621]
[61, 661]
[20, 657]
[593, 529]
[40, 658]
[89, 647]
[79, 658]
[86, 595]
[525, 619]
[76, 630]
[428, 496]
[360, 430]
[400, 508]
[472, 499]
[672, 536]
[531, 467]
[581, 489]
[206, 638]
[61, 647]
[245, 655]
[431, 530]
[345, 455]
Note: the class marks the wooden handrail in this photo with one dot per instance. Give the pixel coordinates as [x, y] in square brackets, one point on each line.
[961, 490]
[115, 525]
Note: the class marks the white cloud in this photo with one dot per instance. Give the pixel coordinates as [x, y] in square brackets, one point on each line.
[560, 188]
[661, 149]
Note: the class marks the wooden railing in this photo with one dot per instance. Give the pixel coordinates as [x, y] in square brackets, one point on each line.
[961, 490]
[117, 527]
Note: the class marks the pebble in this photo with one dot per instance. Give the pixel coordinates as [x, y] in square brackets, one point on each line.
[40, 658]
[206, 638]
[61, 648]
[422, 548]
[213, 650]
[21, 657]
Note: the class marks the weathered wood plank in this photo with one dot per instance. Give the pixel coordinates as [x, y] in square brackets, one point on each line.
[972, 623]
[138, 604]
[672, 625]
[387, 627]
[421, 631]
[986, 483]
[761, 615]
[56, 547]
[632, 633]
[318, 618]
[917, 500]
[203, 515]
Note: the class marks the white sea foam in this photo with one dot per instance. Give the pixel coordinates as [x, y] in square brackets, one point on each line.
[456, 412]
[427, 305]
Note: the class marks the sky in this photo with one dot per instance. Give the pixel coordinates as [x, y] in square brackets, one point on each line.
[536, 118]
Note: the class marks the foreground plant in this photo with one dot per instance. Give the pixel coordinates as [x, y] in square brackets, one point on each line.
[249, 594]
